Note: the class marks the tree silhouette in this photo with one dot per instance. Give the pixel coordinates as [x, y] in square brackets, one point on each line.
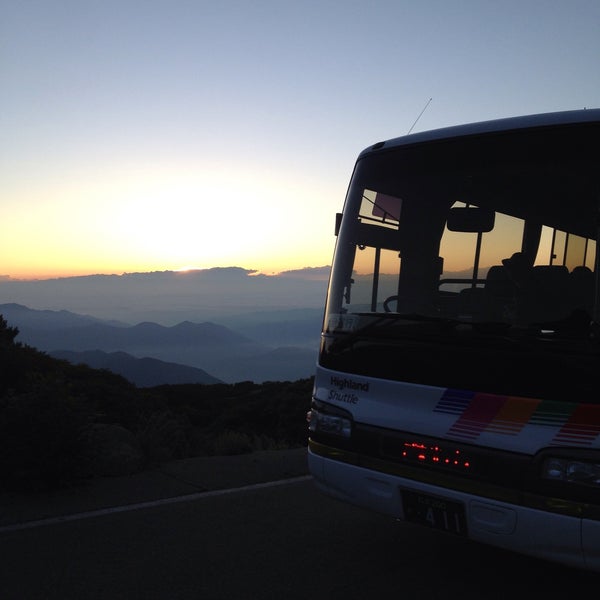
[7, 334]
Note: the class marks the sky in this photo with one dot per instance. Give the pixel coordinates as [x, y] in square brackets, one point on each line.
[140, 136]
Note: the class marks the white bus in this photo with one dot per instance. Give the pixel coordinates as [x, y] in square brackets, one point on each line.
[458, 377]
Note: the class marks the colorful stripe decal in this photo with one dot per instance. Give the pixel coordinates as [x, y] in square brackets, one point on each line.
[552, 413]
[476, 417]
[513, 415]
[582, 427]
[575, 424]
[454, 402]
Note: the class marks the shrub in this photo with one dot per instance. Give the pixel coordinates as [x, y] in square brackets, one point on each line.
[41, 445]
[163, 436]
[229, 443]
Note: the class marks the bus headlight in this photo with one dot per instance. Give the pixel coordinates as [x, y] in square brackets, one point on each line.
[572, 470]
[329, 421]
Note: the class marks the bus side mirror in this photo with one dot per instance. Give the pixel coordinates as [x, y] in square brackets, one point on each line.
[470, 219]
[338, 222]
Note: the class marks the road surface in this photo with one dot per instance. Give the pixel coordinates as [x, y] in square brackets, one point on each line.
[283, 542]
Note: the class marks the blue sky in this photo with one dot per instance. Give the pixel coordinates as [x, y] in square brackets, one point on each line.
[158, 135]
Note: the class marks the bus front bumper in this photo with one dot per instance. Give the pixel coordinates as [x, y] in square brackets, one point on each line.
[562, 538]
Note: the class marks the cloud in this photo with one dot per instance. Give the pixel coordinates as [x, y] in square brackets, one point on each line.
[169, 297]
[312, 273]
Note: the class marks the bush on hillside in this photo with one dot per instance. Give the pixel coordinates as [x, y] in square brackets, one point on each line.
[40, 437]
[51, 412]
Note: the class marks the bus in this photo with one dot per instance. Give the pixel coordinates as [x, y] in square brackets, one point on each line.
[457, 384]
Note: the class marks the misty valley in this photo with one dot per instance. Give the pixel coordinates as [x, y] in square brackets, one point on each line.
[273, 347]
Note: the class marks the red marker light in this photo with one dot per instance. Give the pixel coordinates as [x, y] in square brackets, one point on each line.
[434, 455]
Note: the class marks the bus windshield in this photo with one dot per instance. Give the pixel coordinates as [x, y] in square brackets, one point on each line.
[486, 240]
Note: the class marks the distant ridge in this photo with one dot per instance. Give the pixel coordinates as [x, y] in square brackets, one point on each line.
[284, 352]
[143, 372]
[54, 330]
[50, 319]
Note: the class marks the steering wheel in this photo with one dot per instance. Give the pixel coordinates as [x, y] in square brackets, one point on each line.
[386, 303]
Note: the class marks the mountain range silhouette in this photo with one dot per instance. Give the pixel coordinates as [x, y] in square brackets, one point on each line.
[151, 354]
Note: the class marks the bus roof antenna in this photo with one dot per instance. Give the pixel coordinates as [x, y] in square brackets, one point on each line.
[424, 108]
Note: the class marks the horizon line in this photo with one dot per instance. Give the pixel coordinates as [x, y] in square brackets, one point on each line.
[6, 278]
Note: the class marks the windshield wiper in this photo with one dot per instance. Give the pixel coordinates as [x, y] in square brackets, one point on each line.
[341, 343]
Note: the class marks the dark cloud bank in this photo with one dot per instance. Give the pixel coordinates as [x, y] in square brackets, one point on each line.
[169, 297]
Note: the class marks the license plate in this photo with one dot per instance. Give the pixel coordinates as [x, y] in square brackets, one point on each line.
[434, 512]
